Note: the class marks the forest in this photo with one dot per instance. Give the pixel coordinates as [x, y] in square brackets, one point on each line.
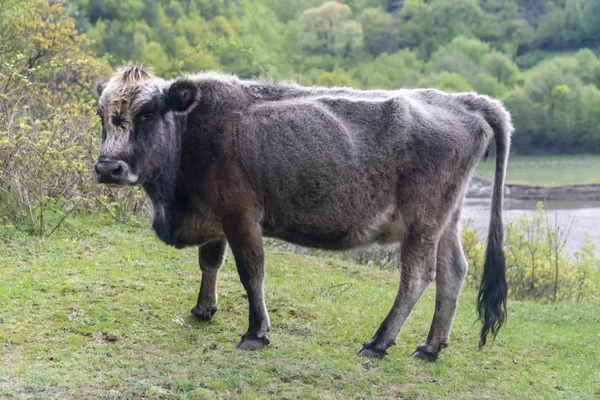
[539, 56]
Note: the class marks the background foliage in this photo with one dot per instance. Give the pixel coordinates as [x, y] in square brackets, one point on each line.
[539, 56]
[537, 265]
[48, 127]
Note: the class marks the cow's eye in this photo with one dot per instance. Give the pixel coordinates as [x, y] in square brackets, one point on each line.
[147, 112]
[147, 116]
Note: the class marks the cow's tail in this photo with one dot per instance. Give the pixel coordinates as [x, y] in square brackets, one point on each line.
[491, 300]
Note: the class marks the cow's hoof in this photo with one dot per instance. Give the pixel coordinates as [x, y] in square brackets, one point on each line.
[252, 342]
[371, 351]
[425, 355]
[203, 313]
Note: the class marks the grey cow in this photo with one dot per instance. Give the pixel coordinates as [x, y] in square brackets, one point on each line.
[225, 160]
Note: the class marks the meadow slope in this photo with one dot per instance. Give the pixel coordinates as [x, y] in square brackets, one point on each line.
[100, 311]
[547, 171]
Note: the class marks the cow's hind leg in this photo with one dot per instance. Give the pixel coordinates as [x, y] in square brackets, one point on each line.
[451, 272]
[210, 257]
[417, 256]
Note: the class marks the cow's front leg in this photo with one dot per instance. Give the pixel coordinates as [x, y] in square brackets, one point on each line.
[210, 257]
[245, 238]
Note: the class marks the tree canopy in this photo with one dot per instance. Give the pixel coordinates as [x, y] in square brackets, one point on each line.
[539, 56]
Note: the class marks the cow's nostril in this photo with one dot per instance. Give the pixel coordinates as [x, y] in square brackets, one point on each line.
[113, 171]
[117, 171]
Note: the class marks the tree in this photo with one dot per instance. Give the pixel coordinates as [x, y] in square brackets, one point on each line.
[153, 54]
[334, 78]
[463, 56]
[501, 25]
[164, 33]
[574, 25]
[473, 48]
[195, 29]
[502, 68]
[446, 81]
[390, 71]
[457, 63]
[411, 32]
[175, 10]
[486, 84]
[565, 27]
[591, 18]
[210, 9]
[105, 9]
[530, 120]
[543, 82]
[550, 29]
[562, 107]
[130, 10]
[139, 44]
[97, 36]
[380, 31]
[587, 64]
[430, 26]
[589, 119]
[288, 10]
[329, 30]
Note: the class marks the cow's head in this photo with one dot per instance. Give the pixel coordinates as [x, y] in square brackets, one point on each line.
[138, 124]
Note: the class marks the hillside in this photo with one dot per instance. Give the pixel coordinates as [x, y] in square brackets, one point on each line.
[539, 56]
[100, 310]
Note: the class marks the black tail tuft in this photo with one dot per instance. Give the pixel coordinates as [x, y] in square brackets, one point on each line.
[491, 301]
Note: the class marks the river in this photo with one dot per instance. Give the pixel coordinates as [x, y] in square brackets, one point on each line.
[584, 216]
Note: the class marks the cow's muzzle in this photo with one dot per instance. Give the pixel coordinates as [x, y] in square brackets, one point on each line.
[115, 172]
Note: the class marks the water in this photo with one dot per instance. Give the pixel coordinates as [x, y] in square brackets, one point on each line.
[583, 215]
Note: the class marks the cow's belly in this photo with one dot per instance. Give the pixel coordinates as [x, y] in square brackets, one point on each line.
[386, 227]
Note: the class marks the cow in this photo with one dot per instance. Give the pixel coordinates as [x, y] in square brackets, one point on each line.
[226, 162]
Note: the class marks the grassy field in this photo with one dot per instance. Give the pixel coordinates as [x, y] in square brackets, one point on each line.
[100, 311]
[547, 170]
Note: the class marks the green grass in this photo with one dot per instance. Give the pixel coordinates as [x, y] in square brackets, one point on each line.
[60, 296]
[547, 170]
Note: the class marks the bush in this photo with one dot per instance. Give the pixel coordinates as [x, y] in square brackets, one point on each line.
[49, 134]
[537, 267]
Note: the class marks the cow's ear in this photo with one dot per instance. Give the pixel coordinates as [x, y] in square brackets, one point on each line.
[99, 88]
[181, 95]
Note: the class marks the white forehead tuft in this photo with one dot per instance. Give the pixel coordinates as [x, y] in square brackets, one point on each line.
[130, 87]
[133, 74]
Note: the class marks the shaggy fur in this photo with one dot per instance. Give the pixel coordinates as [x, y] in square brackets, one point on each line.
[230, 161]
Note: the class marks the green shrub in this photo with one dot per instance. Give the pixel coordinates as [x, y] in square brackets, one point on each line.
[49, 133]
[537, 266]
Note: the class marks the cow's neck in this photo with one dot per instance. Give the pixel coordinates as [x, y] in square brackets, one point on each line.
[162, 190]
[161, 193]
[171, 193]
